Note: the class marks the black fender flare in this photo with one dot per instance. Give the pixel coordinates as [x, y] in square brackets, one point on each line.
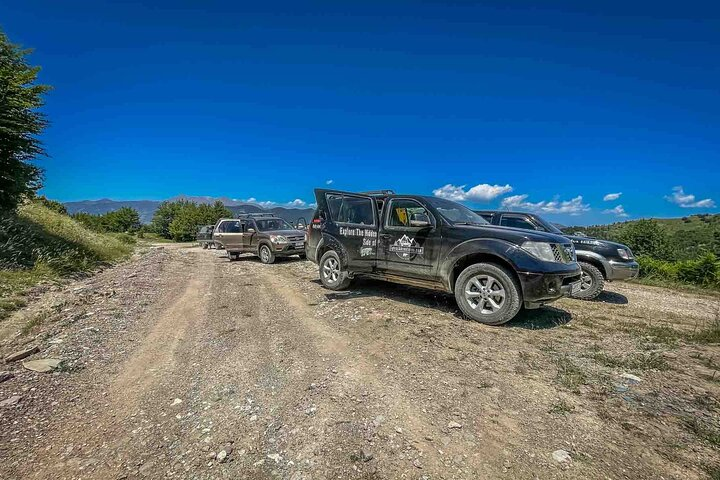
[328, 242]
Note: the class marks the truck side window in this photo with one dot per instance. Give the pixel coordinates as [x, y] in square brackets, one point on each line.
[405, 213]
[348, 209]
[517, 222]
[229, 227]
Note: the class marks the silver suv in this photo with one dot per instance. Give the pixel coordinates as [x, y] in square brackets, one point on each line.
[265, 235]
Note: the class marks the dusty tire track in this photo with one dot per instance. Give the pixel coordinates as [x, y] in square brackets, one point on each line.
[186, 354]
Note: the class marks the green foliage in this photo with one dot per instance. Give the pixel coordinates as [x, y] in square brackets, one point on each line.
[53, 205]
[164, 215]
[646, 237]
[20, 124]
[38, 243]
[703, 271]
[122, 220]
[180, 220]
[681, 250]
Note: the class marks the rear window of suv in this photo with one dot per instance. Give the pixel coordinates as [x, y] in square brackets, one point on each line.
[349, 209]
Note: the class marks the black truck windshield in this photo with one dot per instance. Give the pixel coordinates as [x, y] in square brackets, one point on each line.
[271, 224]
[455, 213]
[549, 227]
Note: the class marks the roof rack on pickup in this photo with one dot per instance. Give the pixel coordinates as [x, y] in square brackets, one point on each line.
[256, 215]
[379, 192]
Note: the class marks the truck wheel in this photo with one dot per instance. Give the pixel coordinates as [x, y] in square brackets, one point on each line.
[488, 294]
[266, 254]
[204, 245]
[592, 282]
[232, 256]
[332, 275]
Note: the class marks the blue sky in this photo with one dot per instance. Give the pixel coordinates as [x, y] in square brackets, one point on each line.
[534, 104]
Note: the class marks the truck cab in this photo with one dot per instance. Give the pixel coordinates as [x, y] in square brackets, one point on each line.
[601, 260]
[435, 243]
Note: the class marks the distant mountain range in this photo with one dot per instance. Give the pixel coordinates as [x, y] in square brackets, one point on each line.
[146, 208]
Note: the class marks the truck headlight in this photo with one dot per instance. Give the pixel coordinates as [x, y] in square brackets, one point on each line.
[540, 250]
[278, 239]
[625, 253]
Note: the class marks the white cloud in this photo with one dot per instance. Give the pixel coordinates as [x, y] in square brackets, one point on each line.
[329, 182]
[612, 196]
[478, 193]
[618, 211]
[574, 206]
[297, 203]
[686, 200]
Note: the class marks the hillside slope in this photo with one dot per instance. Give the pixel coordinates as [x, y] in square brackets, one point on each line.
[41, 244]
[691, 235]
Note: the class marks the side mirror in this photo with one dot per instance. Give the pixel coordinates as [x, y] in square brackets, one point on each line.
[420, 220]
[250, 230]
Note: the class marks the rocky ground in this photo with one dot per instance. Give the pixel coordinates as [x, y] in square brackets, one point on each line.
[181, 364]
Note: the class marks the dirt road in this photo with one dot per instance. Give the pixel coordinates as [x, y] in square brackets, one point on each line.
[181, 364]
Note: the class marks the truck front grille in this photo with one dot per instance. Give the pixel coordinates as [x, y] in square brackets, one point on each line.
[564, 253]
[299, 238]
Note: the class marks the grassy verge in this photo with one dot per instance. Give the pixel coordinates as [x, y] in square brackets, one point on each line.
[655, 281]
[39, 244]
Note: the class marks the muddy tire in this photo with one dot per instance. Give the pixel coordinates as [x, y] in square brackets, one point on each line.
[592, 282]
[266, 254]
[332, 274]
[488, 294]
[232, 256]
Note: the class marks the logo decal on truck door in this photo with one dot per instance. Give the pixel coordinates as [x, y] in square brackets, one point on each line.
[406, 248]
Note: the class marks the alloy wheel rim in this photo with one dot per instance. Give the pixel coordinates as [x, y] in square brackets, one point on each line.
[331, 270]
[485, 293]
[265, 254]
[585, 281]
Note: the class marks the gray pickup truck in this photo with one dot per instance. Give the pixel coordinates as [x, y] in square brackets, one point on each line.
[600, 260]
[264, 235]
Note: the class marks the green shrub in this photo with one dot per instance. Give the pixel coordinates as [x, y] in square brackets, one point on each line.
[126, 238]
[703, 271]
[654, 268]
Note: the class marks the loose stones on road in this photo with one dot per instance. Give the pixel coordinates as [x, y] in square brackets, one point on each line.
[45, 365]
[19, 355]
[5, 376]
[454, 424]
[561, 456]
[10, 402]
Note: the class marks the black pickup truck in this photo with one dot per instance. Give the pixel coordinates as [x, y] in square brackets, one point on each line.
[600, 260]
[435, 243]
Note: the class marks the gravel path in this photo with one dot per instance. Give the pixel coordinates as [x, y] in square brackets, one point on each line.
[181, 364]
